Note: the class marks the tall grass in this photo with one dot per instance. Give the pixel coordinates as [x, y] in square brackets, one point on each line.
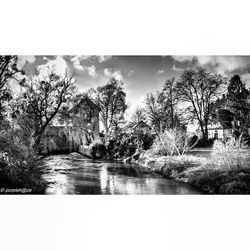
[172, 142]
[229, 155]
[19, 164]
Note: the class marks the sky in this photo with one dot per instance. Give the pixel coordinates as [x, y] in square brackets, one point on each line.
[140, 74]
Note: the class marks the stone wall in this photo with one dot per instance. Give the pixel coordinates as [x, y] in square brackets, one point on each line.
[76, 132]
[66, 139]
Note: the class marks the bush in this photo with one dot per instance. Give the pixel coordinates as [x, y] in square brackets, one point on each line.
[228, 155]
[17, 144]
[127, 144]
[123, 146]
[172, 142]
[234, 187]
[19, 174]
[97, 149]
[18, 163]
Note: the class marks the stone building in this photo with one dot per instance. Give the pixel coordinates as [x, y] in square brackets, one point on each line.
[141, 127]
[78, 129]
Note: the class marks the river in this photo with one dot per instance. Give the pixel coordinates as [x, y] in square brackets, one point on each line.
[75, 174]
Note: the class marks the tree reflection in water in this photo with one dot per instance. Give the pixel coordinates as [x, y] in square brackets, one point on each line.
[74, 174]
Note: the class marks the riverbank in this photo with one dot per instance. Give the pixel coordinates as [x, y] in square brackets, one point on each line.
[198, 172]
[21, 177]
[74, 174]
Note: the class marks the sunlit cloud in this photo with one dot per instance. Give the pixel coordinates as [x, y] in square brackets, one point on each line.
[28, 59]
[92, 71]
[246, 79]
[159, 72]
[76, 63]
[131, 73]
[79, 64]
[102, 59]
[183, 58]
[58, 65]
[222, 64]
[113, 73]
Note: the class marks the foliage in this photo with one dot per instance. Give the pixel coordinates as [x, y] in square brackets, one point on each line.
[237, 100]
[170, 99]
[17, 143]
[18, 163]
[228, 155]
[127, 144]
[154, 112]
[199, 88]
[111, 99]
[172, 142]
[162, 108]
[140, 114]
[97, 149]
[20, 174]
[234, 187]
[40, 102]
[8, 70]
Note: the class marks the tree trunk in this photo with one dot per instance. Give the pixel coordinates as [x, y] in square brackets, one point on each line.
[37, 141]
[202, 130]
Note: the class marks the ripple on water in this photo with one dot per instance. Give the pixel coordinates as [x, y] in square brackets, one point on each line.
[75, 174]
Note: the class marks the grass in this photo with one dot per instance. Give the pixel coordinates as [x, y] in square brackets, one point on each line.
[18, 175]
[226, 171]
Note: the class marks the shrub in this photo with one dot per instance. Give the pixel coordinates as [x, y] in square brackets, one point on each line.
[126, 144]
[97, 149]
[172, 142]
[16, 143]
[17, 173]
[228, 155]
[18, 162]
[143, 140]
[234, 187]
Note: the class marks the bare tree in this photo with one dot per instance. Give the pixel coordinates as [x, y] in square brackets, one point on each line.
[111, 99]
[170, 99]
[41, 100]
[154, 112]
[200, 88]
[139, 115]
[8, 70]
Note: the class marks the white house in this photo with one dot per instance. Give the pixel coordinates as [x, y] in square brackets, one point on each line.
[219, 130]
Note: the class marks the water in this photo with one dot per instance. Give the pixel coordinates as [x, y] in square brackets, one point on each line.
[74, 174]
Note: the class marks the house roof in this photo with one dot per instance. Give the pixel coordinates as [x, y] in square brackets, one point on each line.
[84, 101]
[141, 123]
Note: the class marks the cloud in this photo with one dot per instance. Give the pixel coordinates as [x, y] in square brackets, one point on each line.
[29, 59]
[177, 69]
[113, 73]
[222, 64]
[131, 73]
[246, 79]
[88, 59]
[45, 58]
[59, 66]
[23, 59]
[80, 64]
[182, 58]
[86, 63]
[102, 59]
[92, 71]
[76, 63]
[159, 72]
